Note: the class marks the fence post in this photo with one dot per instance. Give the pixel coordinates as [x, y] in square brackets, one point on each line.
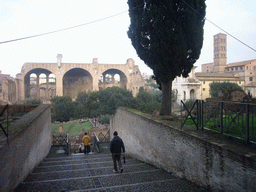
[202, 114]
[247, 138]
[8, 124]
[221, 117]
[198, 119]
[181, 114]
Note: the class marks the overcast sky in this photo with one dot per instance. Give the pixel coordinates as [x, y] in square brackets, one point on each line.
[105, 39]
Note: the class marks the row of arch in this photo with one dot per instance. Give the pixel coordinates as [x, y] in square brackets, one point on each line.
[41, 83]
[184, 95]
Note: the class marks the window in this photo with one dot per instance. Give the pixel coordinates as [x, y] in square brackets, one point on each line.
[250, 79]
[203, 89]
[203, 82]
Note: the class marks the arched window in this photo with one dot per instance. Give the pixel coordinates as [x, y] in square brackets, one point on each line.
[192, 94]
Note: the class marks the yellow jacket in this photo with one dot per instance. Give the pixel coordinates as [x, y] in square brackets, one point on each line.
[86, 140]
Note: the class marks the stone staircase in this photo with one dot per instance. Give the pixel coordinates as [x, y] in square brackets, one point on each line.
[94, 172]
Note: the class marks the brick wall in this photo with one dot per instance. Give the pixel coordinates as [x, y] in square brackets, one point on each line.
[27, 149]
[185, 154]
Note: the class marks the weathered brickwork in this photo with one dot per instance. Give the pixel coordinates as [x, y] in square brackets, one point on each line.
[184, 154]
[27, 149]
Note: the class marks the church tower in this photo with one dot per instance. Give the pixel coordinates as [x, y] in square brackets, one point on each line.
[220, 53]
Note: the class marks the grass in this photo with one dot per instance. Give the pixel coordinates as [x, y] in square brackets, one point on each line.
[72, 128]
[236, 128]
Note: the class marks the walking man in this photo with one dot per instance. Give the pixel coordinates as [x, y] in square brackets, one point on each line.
[86, 140]
[116, 148]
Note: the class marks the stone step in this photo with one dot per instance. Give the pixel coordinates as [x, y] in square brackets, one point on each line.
[112, 181]
[83, 172]
[76, 165]
[94, 173]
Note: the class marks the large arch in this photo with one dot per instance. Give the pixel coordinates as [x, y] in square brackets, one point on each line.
[113, 77]
[76, 80]
[36, 83]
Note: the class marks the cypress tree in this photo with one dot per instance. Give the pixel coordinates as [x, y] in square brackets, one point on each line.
[168, 37]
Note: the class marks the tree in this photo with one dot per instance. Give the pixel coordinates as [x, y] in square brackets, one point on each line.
[62, 108]
[224, 89]
[103, 102]
[147, 102]
[168, 37]
[81, 110]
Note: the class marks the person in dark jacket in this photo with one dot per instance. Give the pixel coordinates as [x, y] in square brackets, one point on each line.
[116, 148]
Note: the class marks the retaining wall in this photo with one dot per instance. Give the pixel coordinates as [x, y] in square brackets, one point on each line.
[27, 149]
[187, 154]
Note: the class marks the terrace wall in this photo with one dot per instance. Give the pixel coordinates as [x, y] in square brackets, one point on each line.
[215, 164]
[26, 149]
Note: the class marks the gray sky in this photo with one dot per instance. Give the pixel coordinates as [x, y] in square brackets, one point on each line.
[106, 39]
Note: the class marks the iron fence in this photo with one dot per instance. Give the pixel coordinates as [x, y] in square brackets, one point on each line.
[4, 124]
[60, 139]
[234, 119]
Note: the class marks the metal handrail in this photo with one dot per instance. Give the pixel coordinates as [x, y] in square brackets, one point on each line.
[96, 142]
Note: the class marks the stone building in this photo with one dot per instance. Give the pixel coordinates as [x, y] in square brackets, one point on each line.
[186, 88]
[45, 80]
[7, 89]
[197, 85]
[246, 70]
[242, 73]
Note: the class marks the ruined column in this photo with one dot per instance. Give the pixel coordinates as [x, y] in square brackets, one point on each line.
[104, 81]
[47, 87]
[37, 86]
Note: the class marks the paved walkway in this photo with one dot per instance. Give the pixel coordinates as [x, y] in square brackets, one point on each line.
[94, 172]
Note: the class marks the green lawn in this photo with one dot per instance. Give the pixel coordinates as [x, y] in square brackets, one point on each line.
[72, 128]
[237, 128]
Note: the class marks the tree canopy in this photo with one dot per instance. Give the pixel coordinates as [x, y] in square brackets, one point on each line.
[223, 89]
[62, 108]
[102, 103]
[168, 37]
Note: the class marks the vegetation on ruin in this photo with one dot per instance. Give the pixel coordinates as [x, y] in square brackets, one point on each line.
[168, 37]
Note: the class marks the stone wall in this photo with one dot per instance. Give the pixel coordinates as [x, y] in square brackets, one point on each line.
[186, 154]
[26, 149]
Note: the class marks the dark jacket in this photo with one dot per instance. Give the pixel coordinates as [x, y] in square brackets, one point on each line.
[116, 145]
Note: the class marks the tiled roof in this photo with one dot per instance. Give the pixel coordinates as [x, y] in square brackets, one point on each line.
[227, 75]
[241, 63]
[253, 84]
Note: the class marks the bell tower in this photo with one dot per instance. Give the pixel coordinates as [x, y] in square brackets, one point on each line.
[220, 52]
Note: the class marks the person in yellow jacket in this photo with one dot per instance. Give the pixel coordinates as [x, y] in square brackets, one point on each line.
[86, 140]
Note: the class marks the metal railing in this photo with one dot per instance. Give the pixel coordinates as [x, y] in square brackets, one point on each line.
[59, 139]
[3, 119]
[234, 119]
[96, 142]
